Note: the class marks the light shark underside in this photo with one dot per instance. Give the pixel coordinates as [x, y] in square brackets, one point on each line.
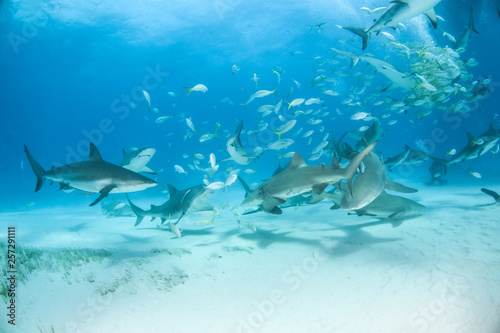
[399, 11]
[137, 160]
[299, 178]
[93, 175]
[180, 203]
[235, 148]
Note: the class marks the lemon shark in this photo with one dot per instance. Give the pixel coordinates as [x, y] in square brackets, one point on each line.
[180, 203]
[399, 11]
[298, 178]
[398, 78]
[93, 175]
[137, 160]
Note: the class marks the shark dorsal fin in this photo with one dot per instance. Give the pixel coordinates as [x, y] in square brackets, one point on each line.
[407, 148]
[94, 154]
[172, 190]
[237, 133]
[124, 152]
[470, 136]
[296, 162]
[335, 162]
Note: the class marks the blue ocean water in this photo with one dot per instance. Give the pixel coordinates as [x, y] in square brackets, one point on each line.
[67, 67]
[77, 72]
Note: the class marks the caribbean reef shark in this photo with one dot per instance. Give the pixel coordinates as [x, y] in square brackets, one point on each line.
[399, 11]
[477, 146]
[180, 203]
[137, 160]
[235, 148]
[463, 41]
[299, 178]
[93, 175]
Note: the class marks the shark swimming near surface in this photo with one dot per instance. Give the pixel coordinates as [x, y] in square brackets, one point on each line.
[93, 175]
[180, 204]
[137, 160]
[399, 11]
[299, 178]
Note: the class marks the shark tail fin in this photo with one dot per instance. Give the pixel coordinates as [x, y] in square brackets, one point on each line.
[353, 166]
[444, 163]
[361, 33]
[492, 193]
[137, 211]
[471, 20]
[37, 169]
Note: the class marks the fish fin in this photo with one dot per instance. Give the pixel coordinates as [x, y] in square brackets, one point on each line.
[470, 136]
[471, 20]
[361, 33]
[319, 188]
[275, 211]
[103, 193]
[315, 198]
[163, 220]
[189, 90]
[237, 133]
[172, 190]
[296, 162]
[397, 215]
[94, 154]
[394, 186]
[245, 186]
[335, 162]
[431, 14]
[252, 211]
[271, 202]
[137, 211]
[335, 207]
[124, 152]
[153, 218]
[37, 169]
[147, 170]
[492, 193]
[353, 166]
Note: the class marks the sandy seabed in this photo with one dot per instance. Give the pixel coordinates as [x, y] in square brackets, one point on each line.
[308, 270]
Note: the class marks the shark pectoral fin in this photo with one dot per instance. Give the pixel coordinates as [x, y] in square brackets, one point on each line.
[205, 207]
[319, 188]
[163, 220]
[315, 198]
[397, 215]
[253, 211]
[335, 207]
[276, 211]
[431, 14]
[103, 193]
[393, 186]
[147, 170]
[271, 202]
[153, 218]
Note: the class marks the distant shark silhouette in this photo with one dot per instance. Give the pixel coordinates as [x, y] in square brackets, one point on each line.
[180, 203]
[137, 160]
[93, 175]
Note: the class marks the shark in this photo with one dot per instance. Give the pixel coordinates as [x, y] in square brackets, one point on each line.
[399, 11]
[408, 157]
[93, 175]
[437, 170]
[477, 146]
[372, 134]
[392, 206]
[235, 148]
[463, 41]
[181, 203]
[115, 208]
[137, 160]
[398, 78]
[298, 178]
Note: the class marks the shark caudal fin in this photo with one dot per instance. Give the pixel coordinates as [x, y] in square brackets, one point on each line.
[352, 168]
[37, 169]
[137, 211]
[361, 33]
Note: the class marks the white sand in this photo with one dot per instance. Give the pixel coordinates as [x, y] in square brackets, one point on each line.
[309, 270]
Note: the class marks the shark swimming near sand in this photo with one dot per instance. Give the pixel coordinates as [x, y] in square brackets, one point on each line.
[93, 175]
[477, 146]
[299, 178]
[408, 157]
[180, 204]
[399, 11]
